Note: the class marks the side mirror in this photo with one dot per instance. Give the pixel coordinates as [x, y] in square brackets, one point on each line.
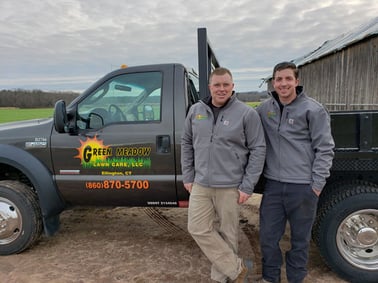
[95, 121]
[148, 113]
[60, 116]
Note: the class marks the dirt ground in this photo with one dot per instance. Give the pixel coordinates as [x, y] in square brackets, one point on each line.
[134, 245]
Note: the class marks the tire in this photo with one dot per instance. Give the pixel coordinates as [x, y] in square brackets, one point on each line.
[328, 194]
[20, 217]
[346, 231]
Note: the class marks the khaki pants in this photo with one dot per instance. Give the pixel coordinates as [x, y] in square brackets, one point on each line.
[213, 222]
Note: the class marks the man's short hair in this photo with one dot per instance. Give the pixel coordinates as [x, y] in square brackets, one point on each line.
[286, 65]
[219, 72]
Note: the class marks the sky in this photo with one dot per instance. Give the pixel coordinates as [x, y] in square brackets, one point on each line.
[66, 45]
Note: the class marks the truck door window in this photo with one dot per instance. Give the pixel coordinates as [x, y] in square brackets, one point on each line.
[127, 98]
[193, 96]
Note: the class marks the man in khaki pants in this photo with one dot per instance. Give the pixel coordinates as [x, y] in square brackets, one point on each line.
[223, 153]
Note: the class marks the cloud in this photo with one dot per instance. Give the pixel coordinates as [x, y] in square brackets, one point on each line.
[65, 40]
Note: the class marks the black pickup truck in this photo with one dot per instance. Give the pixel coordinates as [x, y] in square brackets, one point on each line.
[118, 144]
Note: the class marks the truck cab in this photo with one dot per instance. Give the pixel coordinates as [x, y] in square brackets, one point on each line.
[116, 143]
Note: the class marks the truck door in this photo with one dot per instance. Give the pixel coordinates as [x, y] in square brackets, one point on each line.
[123, 152]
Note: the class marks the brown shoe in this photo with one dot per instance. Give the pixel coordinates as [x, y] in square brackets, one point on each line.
[246, 268]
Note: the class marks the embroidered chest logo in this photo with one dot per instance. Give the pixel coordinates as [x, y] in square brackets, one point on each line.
[201, 117]
[290, 121]
[271, 114]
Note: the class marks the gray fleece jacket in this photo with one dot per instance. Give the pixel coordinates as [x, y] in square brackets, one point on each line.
[298, 139]
[229, 152]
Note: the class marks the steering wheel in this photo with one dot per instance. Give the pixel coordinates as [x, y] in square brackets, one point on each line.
[116, 113]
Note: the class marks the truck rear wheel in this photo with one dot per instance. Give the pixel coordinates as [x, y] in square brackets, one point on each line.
[20, 217]
[346, 230]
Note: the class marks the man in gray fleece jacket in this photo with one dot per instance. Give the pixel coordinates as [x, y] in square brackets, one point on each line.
[298, 159]
[223, 153]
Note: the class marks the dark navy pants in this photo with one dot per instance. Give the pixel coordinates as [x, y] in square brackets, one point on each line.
[281, 203]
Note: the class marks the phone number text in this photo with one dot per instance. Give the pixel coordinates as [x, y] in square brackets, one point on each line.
[113, 184]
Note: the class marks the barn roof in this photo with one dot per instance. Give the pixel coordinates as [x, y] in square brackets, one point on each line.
[339, 43]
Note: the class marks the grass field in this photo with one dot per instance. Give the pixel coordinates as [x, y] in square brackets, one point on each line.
[17, 114]
[253, 104]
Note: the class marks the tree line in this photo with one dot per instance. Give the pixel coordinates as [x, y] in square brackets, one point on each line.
[20, 98]
[33, 98]
[252, 96]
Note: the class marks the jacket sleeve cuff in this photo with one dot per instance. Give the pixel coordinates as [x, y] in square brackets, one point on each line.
[318, 185]
[248, 191]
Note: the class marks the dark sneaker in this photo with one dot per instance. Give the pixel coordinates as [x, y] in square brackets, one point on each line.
[246, 268]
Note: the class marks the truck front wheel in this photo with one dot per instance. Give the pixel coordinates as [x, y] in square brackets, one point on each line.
[20, 217]
[346, 231]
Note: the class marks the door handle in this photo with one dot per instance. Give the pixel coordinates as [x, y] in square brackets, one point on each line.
[163, 144]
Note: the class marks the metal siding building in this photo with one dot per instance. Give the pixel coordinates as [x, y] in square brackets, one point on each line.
[342, 74]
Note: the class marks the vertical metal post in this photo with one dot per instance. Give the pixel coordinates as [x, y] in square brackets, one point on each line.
[206, 62]
[203, 68]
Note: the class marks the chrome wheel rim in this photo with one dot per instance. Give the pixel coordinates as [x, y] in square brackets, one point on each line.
[10, 221]
[357, 239]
